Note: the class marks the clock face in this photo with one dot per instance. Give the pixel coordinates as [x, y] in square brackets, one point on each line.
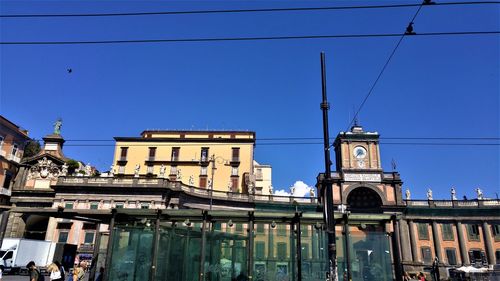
[359, 152]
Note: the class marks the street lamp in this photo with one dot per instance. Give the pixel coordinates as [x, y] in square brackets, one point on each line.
[212, 160]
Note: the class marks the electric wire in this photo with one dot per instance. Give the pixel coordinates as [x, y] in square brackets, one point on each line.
[383, 68]
[221, 39]
[241, 10]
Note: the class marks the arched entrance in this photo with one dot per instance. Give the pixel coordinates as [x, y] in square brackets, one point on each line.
[36, 227]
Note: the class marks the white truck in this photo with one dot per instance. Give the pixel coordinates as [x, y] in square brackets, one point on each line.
[15, 253]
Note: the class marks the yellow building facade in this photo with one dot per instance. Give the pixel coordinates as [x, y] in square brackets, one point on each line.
[222, 159]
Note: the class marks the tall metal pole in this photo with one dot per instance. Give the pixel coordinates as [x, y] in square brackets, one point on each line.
[212, 181]
[327, 192]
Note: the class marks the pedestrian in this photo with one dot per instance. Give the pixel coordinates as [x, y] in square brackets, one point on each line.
[421, 277]
[79, 271]
[55, 272]
[406, 276]
[33, 272]
[1, 271]
[61, 269]
[100, 274]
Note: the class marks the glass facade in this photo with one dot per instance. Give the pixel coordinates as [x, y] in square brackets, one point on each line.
[235, 249]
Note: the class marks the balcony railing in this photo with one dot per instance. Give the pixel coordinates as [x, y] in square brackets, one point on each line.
[453, 203]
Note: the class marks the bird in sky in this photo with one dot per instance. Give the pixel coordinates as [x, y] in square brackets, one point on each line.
[409, 29]
[70, 70]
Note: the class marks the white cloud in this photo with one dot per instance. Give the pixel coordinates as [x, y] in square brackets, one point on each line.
[282, 192]
[299, 189]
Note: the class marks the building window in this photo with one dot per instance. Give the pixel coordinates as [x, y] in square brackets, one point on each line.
[173, 170]
[145, 206]
[89, 238]
[119, 205]
[152, 154]
[15, 148]
[63, 237]
[426, 254]
[260, 228]
[497, 255]
[204, 154]
[1, 141]
[423, 231]
[234, 171]
[203, 170]
[203, 181]
[281, 246]
[239, 227]
[234, 184]
[7, 180]
[123, 153]
[447, 231]
[68, 206]
[477, 257]
[150, 169]
[304, 230]
[236, 154]
[305, 251]
[451, 256]
[281, 230]
[94, 206]
[495, 229]
[175, 153]
[473, 232]
[217, 226]
[121, 169]
[260, 247]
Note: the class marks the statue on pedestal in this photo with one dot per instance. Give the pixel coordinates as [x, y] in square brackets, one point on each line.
[136, 170]
[191, 180]
[88, 170]
[271, 189]
[408, 194]
[453, 194]
[429, 194]
[179, 174]
[479, 194]
[57, 126]
[64, 169]
[162, 171]
[111, 170]
[312, 193]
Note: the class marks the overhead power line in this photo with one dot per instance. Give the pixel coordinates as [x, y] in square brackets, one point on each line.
[346, 36]
[409, 31]
[298, 143]
[239, 10]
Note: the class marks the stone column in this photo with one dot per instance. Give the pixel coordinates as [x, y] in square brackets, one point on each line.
[405, 241]
[488, 243]
[413, 242]
[461, 242]
[51, 228]
[437, 242]
[398, 268]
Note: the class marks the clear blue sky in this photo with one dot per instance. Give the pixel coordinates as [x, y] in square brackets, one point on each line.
[433, 87]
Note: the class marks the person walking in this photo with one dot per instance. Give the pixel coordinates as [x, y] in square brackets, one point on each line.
[100, 274]
[61, 269]
[79, 271]
[33, 272]
[55, 272]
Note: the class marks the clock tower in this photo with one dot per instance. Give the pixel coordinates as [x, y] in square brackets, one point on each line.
[357, 150]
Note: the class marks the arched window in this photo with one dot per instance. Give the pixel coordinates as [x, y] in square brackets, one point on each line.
[364, 199]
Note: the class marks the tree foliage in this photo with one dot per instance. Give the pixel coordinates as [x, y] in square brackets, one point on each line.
[72, 166]
[32, 148]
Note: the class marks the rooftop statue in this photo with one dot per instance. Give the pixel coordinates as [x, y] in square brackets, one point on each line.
[453, 194]
[408, 194]
[429, 194]
[479, 194]
[57, 126]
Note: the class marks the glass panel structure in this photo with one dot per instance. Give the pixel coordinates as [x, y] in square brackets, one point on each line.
[370, 253]
[131, 255]
[232, 246]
